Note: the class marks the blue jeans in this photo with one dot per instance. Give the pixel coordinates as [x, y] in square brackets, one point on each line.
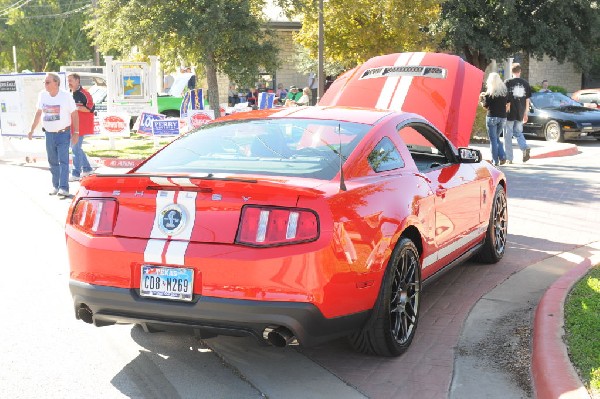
[494, 126]
[57, 148]
[514, 129]
[80, 160]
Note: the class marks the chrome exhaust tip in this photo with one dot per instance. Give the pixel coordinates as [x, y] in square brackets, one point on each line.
[279, 337]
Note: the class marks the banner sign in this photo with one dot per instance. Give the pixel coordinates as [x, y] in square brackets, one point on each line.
[192, 100]
[10, 85]
[165, 127]
[145, 122]
[114, 124]
[18, 102]
[199, 118]
[265, 100]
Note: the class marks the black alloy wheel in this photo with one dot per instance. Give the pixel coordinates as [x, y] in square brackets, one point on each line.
[494, 247]
[393, 323]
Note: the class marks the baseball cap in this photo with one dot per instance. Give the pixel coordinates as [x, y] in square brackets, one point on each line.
[293, 87]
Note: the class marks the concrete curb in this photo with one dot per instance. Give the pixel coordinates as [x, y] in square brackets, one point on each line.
[553, 374]
[562, 151]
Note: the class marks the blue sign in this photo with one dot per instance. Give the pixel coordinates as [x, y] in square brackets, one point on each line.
[265, 100]
[192, 100]
[146, 120]
[165, 127]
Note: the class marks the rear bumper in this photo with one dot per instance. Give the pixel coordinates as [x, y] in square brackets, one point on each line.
[110, 305]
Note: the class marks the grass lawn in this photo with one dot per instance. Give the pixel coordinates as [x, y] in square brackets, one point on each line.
[582, 325]
[134, 147]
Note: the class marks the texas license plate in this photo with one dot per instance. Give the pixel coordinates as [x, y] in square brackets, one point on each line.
[167, 282]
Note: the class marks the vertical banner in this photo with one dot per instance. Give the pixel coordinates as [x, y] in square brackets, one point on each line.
[265, 100]
[192, 100]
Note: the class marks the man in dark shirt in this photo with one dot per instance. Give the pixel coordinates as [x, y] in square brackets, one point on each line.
[519, 93]
[85, 109]
[192, 82]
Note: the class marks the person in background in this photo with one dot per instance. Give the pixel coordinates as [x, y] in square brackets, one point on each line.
[545, 88]
[494, 100]
[232, 95]
[252, 97]
[280, 94]
[305, 99]
[292, 96]
[192, 82]
[58, 113]
[168, 82]
[519, 93]
[85, 110]
[313, 84]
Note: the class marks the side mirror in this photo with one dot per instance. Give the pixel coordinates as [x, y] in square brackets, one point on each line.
[469, 155]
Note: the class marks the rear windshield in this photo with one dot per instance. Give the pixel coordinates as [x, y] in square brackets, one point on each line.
[280, 147]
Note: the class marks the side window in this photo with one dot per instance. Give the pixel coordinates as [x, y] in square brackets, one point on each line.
[385, 156]
[428, 149]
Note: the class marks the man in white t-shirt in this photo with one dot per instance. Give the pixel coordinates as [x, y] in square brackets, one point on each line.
[58, 112]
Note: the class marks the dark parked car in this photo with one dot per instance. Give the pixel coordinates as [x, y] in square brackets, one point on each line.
[557, 117]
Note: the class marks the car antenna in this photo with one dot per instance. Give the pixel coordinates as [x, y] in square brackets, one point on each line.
[342, 183]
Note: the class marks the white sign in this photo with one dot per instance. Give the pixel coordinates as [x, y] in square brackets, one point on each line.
[18, 102]
[201, 117]
[114, 124]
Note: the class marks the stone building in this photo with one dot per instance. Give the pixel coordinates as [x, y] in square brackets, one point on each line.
[286, 74]
[565, 75]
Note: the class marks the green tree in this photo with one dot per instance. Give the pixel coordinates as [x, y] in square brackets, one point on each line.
[46, 34]
[224, 36]
[356, 31]
[484, 30]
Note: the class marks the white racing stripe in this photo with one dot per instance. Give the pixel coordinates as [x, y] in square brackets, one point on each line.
[174, 247]
[434, 257]
[176, 250]
[402, 91]
[162, 181]
[158, 239]
[390, 84]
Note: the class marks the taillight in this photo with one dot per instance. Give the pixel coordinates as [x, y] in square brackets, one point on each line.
[95, 215]
[268, 226]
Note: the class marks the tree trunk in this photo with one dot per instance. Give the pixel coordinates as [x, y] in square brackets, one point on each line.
[213, 85]
[476, 58]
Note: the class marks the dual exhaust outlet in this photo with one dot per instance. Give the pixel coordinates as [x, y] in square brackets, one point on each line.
[279, 337]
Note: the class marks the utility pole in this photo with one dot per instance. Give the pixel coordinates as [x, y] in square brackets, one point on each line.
[321, 72]
[96, 52]
[15, 58]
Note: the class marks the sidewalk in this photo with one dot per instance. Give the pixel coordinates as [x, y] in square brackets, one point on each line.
[539, 149]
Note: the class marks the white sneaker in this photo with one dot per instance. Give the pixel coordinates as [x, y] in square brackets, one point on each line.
[73, 178]
[54, 191]
[63, 193]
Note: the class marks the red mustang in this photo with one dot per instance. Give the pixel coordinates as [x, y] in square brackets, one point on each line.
[298, 225]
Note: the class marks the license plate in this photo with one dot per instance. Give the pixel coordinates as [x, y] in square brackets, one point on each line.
[167, 282]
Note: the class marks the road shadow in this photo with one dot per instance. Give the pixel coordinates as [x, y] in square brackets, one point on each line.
[178, 365]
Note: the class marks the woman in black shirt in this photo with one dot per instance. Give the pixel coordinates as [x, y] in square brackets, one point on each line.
[494, 100]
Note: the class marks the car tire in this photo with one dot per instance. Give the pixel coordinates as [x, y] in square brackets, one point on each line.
[393, 322]
[494, 246]
[553, 132]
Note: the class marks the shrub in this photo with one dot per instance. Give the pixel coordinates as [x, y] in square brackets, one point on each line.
[557, 89]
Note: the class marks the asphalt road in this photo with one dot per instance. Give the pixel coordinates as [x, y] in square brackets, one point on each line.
[554, 207]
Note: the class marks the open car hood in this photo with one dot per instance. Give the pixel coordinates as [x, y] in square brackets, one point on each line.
[443, 88]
